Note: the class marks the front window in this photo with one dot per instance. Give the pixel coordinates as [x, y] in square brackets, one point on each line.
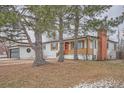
[80, 45]
[94, 44]
[54, 46]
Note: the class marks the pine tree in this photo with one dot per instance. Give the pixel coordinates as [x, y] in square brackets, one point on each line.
[80, 16]
[43, 20]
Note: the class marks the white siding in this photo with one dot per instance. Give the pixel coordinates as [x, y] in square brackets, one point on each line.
[81, 57]
[25, 55]
[111, 52]
[96, 49]
[48, 53]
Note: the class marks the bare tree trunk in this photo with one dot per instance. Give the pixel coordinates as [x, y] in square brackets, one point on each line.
[61, 50]
[75, 47]
[76, 34]
[39, 60]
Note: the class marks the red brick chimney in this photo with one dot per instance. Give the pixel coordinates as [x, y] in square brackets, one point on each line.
[102, 44]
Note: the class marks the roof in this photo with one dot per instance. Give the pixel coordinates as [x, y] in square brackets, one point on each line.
[70, 39]
[112, 41]
[79, 38]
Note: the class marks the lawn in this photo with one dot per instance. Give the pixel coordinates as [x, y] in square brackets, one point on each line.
[54, 74]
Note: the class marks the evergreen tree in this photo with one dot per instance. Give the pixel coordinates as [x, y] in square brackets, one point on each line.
[81, 15]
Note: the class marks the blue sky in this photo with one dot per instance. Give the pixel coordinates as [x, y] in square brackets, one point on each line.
[115, 11]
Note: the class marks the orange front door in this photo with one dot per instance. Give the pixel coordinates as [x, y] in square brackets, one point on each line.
[66, 47]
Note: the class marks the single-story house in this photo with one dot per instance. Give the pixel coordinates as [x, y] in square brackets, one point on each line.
[90, 47]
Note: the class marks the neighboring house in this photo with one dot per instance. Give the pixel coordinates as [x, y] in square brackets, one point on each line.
[2, 51]
[90, 47]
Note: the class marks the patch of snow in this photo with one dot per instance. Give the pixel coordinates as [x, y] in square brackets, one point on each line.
[105, 83]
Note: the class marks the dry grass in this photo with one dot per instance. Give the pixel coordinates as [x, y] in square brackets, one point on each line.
[54, 74]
